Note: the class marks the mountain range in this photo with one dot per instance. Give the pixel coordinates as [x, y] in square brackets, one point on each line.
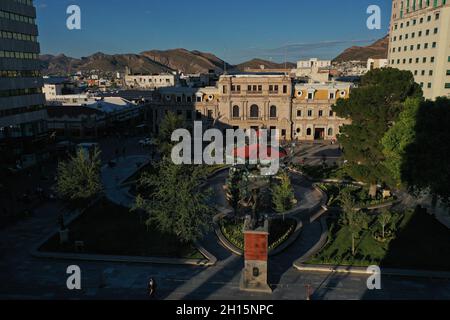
[377, 50]
[158, 61]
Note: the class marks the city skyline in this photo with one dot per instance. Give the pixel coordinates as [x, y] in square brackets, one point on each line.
[278, 41]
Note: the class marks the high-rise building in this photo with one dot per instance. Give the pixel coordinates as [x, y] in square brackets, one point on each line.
[22, 112]
[419, 41]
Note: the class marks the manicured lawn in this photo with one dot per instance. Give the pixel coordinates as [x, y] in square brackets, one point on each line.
[109, 229]
[279, 231]
[421, 242]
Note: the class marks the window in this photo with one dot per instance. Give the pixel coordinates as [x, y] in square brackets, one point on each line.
[434, 45]
[299, 112]
[224, 89]
[284, 89]
[331, 113]
[432, 59]
[320, 113]
[330, 132]
[448, 72]
[273, 111]
[308, 131]
[430, 73]
[310, 95]
[436, 30]
[447, 86]
[310, 113]
[236, 112]
[429, 85]
[254, 111]
[332, 95]
[210, 114]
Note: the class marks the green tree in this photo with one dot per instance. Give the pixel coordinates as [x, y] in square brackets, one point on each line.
[234, 190]
[373, 107]
[175, 202]
[283, 198]
[426, 160]
[384, 218]
[169, 124]
[398, 138]
[355, 220]
[79, 177]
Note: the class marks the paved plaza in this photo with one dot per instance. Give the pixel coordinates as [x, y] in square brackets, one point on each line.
[25, 277]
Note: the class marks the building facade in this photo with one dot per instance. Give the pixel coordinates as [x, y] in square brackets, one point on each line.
[22, 112]
[376, 63]
[419, 41]
[257, 101]
[312, 115]
[150, 81]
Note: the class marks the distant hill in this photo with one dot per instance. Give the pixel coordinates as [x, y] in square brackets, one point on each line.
[377, 50]
[257, 63]
[154, 61]
[63, 65]
[187, 61]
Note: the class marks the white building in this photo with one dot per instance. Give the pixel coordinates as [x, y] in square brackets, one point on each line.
[419, 41]
[315, 70]
[377, 64]
[150, 81]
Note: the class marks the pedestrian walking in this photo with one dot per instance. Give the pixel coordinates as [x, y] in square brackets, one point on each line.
[151, 287]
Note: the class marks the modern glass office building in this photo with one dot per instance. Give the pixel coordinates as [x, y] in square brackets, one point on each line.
[22, 112]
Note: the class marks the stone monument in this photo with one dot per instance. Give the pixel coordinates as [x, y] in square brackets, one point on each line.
[256, 249]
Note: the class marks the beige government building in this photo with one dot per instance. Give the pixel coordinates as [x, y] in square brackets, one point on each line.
[299, 111]
[419, 41]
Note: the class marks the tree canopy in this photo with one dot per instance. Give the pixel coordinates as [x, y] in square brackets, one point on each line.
[426, 160]
[175, 202]
[169, 124]
[373, 107]
[79, 177]
[398, 138]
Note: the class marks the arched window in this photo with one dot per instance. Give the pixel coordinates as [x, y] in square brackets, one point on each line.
[308, 132]
[330, 132]
[273, 111]
[236, 112]
[254, 111]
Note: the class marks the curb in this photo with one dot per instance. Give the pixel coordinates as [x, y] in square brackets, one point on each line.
[384, 271]
[315, 248]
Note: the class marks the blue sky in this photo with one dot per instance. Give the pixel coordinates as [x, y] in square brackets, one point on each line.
[234, 30]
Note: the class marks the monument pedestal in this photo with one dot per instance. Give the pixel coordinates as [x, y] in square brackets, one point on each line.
[254, 274]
